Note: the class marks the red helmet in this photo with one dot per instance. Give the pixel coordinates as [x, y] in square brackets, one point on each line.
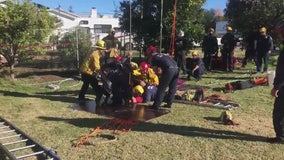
[279, 27]
[144, 66]
[118, 57]
[152, 48]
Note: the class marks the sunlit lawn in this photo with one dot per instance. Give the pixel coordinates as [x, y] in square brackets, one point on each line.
[187, 132]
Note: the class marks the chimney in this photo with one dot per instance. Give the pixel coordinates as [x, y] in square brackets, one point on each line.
[94, 12]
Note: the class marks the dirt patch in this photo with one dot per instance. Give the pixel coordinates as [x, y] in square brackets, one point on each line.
[47, 78]
[37, 75]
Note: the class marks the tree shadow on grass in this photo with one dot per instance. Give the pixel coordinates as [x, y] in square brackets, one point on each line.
[60, 96]
[79, 122]
[63, 74]
[191, 131]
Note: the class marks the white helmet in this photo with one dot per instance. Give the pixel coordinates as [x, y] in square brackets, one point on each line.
[181, 33]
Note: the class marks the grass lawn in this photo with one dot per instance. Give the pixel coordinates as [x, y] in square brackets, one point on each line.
[188, 132]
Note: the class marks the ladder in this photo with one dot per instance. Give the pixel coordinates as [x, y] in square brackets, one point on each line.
[16, 145]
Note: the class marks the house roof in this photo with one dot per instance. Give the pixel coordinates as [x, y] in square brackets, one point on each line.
[63, 13]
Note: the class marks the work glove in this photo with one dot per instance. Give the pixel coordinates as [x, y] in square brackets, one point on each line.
[98, 76]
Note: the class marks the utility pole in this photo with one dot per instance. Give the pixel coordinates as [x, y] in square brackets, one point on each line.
[77, 49]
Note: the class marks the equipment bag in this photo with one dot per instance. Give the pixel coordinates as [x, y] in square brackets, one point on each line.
[239, 85]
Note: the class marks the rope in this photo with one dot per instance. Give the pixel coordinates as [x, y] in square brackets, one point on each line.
[118, 126]
[172, 43]
[161, 25]
[53, 82]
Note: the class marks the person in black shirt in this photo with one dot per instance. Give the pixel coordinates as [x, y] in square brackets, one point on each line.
[278, 91]
[210, 48]
[229, 42]
[249, 45]
[264, 46]
[169, 72]
[180, 51]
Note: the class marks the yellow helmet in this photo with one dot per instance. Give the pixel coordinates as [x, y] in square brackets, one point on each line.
[134, 65]
[100, 44]
[262, 30]
[229, 28]
[138, 89]
[211, 30]
[194, 53]
[112, 30]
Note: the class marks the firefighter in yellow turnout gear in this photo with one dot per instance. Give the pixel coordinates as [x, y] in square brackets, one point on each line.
[112, 43]
[146, 77]
[90, 71]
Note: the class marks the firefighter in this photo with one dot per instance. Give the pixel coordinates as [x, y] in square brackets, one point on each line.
[278, 91]
[198, 67]
[210, 48]
[263, 47]
[119, 69]
[229, 42]
[112, 43]
[90, 71]
[146, 77]
[249, 46]
[167, 67]
[137, 94]
[180, 51]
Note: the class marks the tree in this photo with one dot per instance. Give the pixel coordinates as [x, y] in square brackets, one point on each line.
[146, 16]
[245, 14]
[73, 44]
[209, 19]
[22, 24]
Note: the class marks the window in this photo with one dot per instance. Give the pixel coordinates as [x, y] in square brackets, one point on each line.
[102, 28]
[85, 30]
[84, 22]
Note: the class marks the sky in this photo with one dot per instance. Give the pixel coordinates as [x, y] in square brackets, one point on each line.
[106, 6]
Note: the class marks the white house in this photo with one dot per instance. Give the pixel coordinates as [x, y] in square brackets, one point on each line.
[97, 25]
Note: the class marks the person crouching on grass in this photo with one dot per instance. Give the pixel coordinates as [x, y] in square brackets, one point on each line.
[198, 67]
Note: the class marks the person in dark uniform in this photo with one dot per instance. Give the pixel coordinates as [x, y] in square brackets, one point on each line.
[249, 45]
[119, 69]
[210, 48]
[278, 91]
[229, 42]
[169, 73]
[198, 67]
[264, 46]
[180, 51]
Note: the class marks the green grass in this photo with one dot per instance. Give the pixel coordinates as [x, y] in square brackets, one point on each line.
[188, 132]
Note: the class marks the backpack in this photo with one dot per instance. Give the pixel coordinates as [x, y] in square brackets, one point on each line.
[239, 85]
